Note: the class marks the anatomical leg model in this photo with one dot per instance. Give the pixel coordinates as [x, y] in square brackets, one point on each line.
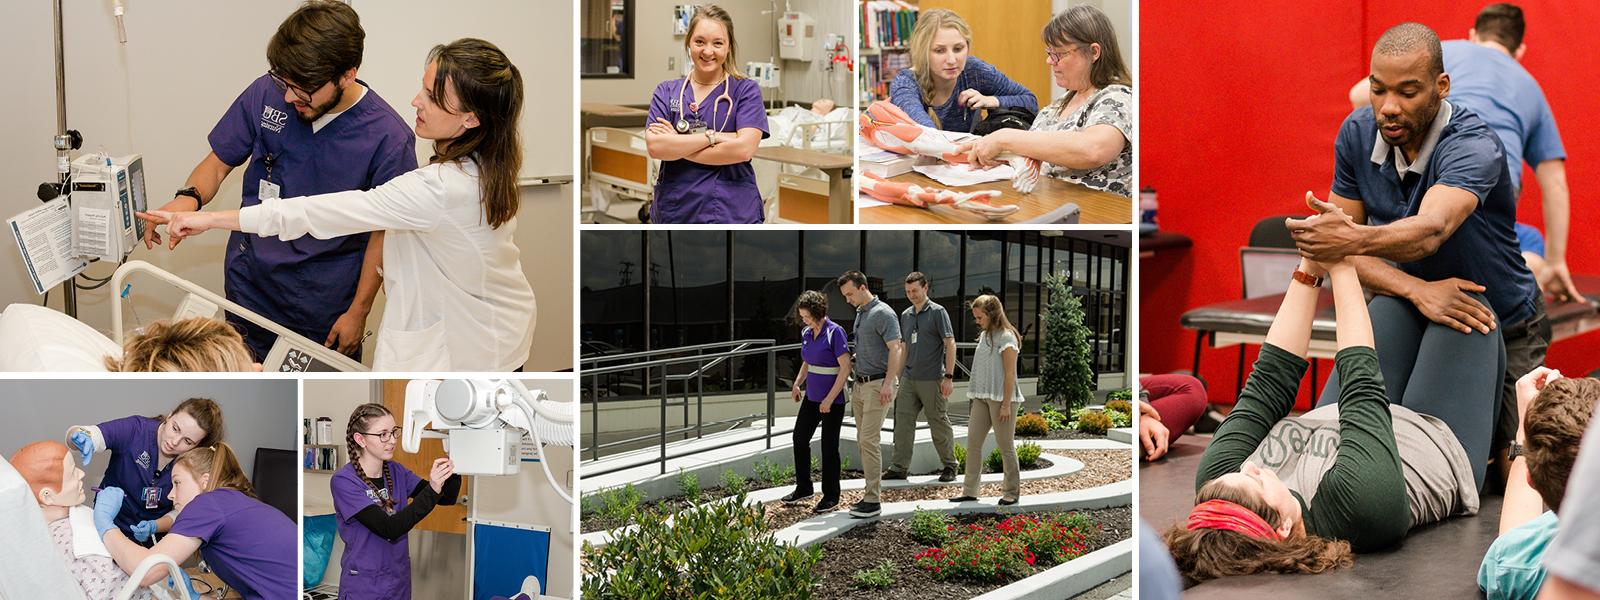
[890, 128]
[907, 194]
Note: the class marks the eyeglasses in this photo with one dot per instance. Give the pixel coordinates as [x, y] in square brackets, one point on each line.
[299, 93]
[383, 436]
[1053, 57]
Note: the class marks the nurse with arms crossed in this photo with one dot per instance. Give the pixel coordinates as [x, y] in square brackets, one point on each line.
[142, 451]
[250, 545]
[457, 296]
[704, 129]
[377, 502]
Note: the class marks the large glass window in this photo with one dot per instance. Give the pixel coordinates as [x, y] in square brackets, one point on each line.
[983, 274]
[689, 288]
[829, 254]
[766, 280]
[612, 282]
[890, 257]
[607, 40]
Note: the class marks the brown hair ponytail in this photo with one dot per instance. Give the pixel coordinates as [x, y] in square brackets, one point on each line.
[221, 464]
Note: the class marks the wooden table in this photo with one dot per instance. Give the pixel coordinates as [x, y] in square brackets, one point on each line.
[836, 166]
[1094, 206]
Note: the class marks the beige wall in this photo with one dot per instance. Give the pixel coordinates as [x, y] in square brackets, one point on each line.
[654, 45]
[160, 94]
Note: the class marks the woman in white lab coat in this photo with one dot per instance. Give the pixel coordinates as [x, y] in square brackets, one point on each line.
[458, 299]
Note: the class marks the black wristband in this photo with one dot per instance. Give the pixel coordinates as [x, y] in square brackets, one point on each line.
[192, 193]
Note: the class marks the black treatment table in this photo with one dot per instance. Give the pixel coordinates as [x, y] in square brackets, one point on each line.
[1435, 561]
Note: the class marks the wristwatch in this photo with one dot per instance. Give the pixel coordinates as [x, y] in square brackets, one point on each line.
[712, 138]
[1516, 450]
[192, 193]
[950, 376]
[1307, 278]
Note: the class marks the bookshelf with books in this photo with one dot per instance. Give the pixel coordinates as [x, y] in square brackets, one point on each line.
[885, 35]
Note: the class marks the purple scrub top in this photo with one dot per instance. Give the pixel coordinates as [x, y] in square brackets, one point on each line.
[823, 351]
[371, 566]
[304, 284]
[252, 546]
[689, 192]
[134, 458]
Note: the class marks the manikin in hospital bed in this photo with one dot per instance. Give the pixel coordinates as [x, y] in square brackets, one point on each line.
[51, 548]
[38, 339]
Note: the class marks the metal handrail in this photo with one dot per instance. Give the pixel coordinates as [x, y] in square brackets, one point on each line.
[704, 362]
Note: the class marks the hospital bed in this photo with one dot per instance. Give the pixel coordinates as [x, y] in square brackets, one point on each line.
[35, 338]
[1246, 321]
[800, 169]
[31, 565]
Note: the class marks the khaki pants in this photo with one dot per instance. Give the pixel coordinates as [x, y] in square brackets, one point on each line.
[924, 397]
[986, 413]
[868, 412]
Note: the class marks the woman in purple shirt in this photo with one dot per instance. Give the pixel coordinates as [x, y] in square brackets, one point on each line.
[704, 129]
[378, 501]
[142, 451]
[250, 545]
[826, 354]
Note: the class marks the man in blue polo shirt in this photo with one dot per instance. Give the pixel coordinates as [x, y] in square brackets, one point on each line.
[1425, 184]
[341, 136]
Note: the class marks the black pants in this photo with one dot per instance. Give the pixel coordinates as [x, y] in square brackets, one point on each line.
[1526, 345]
[806, 424]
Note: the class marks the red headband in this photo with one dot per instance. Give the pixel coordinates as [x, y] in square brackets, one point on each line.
[1230, 516]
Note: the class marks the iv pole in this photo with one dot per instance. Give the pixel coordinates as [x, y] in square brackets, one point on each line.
[65, 142]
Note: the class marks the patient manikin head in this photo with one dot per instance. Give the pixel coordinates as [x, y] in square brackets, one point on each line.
[52, 475]
[1207, 548]
[197, 344]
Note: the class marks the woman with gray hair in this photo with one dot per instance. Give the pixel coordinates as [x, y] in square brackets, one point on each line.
[1084, 137]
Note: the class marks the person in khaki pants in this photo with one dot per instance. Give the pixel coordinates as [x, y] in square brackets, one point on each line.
[994, 394]
[930, 360]
[876, 367]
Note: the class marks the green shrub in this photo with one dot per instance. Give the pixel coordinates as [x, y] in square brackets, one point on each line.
[1028, 454]
[844, 463]
[816, 465]
[616, 504]
[1122, 406]
[1054, 418]
[1066, 372]
[1119, 418]
[930, 527]
[994, 463]
[961, 458]
[1124, 394]
[875, 578]
[1094, 423]
[733, 483]
[1032, 426]
[1049, 541]
[716, 550]
[689, 485]
[771, 474]
[977, 558]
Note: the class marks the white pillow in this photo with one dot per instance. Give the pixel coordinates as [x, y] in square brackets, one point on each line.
[35, 338]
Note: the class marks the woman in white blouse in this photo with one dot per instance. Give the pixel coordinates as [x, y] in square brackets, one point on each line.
[994, 395]
[458, 299]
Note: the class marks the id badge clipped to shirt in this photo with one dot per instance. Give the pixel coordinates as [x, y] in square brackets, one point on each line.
[913, 337]
[152, 498]
[268, 190]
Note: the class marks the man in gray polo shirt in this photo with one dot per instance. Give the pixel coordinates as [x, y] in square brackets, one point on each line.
[930, 361]
[876, 367]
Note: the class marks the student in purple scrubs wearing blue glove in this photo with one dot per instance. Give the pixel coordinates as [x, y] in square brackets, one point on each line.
[704, 129]
[377, 502]
[250, 545]
[142, 451]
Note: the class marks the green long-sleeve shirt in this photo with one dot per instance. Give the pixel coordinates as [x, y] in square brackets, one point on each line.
[1362, 497]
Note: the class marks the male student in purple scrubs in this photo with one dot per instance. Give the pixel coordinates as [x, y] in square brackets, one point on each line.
[306, 127]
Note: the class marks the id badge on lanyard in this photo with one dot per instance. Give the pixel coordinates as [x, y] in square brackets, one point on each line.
[268, 190]
[152, 498]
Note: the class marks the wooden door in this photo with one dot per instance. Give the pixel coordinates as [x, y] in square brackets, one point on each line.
[447, 519]
[1006, 35]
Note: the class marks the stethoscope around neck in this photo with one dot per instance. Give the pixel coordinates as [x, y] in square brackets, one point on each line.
[682, 125]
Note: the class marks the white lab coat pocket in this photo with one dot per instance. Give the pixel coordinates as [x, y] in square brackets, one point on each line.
[414, 350]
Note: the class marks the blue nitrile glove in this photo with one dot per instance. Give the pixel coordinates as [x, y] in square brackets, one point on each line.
[107, 504]
[187, 583]
[143, 530]
[85, 445]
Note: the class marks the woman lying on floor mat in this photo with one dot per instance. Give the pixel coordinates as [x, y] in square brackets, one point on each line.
[1299, 494]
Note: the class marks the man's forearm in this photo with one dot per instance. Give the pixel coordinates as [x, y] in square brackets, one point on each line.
[1405, 240]
[1382, 277]
[1552, 177]
[369, 282]
[206, 178]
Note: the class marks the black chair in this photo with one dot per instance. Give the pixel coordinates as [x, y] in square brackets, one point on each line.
[276, 478]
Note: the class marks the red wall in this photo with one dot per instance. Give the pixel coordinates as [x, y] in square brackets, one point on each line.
[1239, 104]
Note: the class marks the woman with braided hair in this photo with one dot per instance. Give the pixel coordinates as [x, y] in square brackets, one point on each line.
[377, 502]
[1299, 494]
[250, 545]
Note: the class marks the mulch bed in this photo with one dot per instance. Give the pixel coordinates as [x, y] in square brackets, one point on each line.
[869, 545]
[1063, 434]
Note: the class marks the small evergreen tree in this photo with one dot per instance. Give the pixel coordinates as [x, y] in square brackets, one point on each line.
[1065, 374]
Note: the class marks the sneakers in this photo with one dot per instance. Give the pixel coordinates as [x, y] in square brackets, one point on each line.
[947, 475]
[893, 474]
[863, 510]
[795, 497]
[825, 505]
[964, 499]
